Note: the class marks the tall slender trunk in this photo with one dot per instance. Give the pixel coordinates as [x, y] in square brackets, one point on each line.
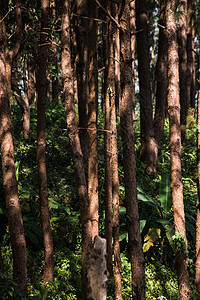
[128, 142]
[109, 89]
[10, 184]
[115, 103]
[161, 77]
[75, 145]
[31, 79]
[92, 121]
[182, 42]
[82, 73]
[175, 148]
[41, 145]
[148, 145]
[190, 56]
[197, 264]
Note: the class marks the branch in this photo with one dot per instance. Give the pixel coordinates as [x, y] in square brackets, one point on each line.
[18, 32]
[107, 14]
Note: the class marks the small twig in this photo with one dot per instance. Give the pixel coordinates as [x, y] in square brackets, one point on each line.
[84, 17]
[7, 14]
[103, 68]
[161, 26]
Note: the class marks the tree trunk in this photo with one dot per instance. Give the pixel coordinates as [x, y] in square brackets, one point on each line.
[175, 148]
[190, 56]
[31, 79]
[197, 264]
[148, 145]
[109, 89]
[82, 73]
[54, 55]
[114, 167]
[92, 121]
[182, 42]
[161, 77]
[128, 142]
[75, 146]
[15, 220]
[41, 145]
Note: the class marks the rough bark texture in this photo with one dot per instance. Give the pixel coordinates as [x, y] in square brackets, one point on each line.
[114, 168]
[81, 29]
[148, 144]
[92, 121]
[15, 220]
[161, 78]
[31, 79]
[75, 145]
[97, 270]
[175, 147]
[128, 142]
[197, 264]
[41, 145]
[182, 42]
[190, 56]
[109, 88]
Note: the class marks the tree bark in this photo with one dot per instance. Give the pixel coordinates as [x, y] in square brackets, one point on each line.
[175, 147]
[197, 264]
[190, 56]
[92, 121]
[161, 77]
[82, 73]
[148, 144]
[15, 220]
[109, 90]
[128, 142]
[76, 146]
[41, 145]
[182, 42]
[31, 79]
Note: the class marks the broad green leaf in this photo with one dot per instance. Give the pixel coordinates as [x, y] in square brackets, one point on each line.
[123, 236]
[142, 224]
[165, 192]
[152, 237]
[144, 198]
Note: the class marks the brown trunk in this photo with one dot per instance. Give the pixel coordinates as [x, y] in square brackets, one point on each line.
[175, 147]
[133, 31]
[31, 79]
[161, 74]
[54, 55]
[75, 145]
[190, 56]
[15, 220]
[82, 73]
[41, 145]
[22, 101]
[128, 142]
[92, 121]
[104, 58]
[114, 167]
[107, 147]
[182, 42]
[148, 144]
[197, 264]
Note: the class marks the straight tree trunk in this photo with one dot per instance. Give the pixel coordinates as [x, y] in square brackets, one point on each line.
[82, 73]
[175, 148]
[92, 121]
[197, 264]
[148, 144]
[182, 42]
[190, 56]
[161, 77]
[114, 166]
[128, 142]
[41, 145]
[109, 90]
[31, 79]
[10, 184]
[75, 145]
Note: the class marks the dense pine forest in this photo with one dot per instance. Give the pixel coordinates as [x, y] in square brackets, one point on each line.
[100, 149]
